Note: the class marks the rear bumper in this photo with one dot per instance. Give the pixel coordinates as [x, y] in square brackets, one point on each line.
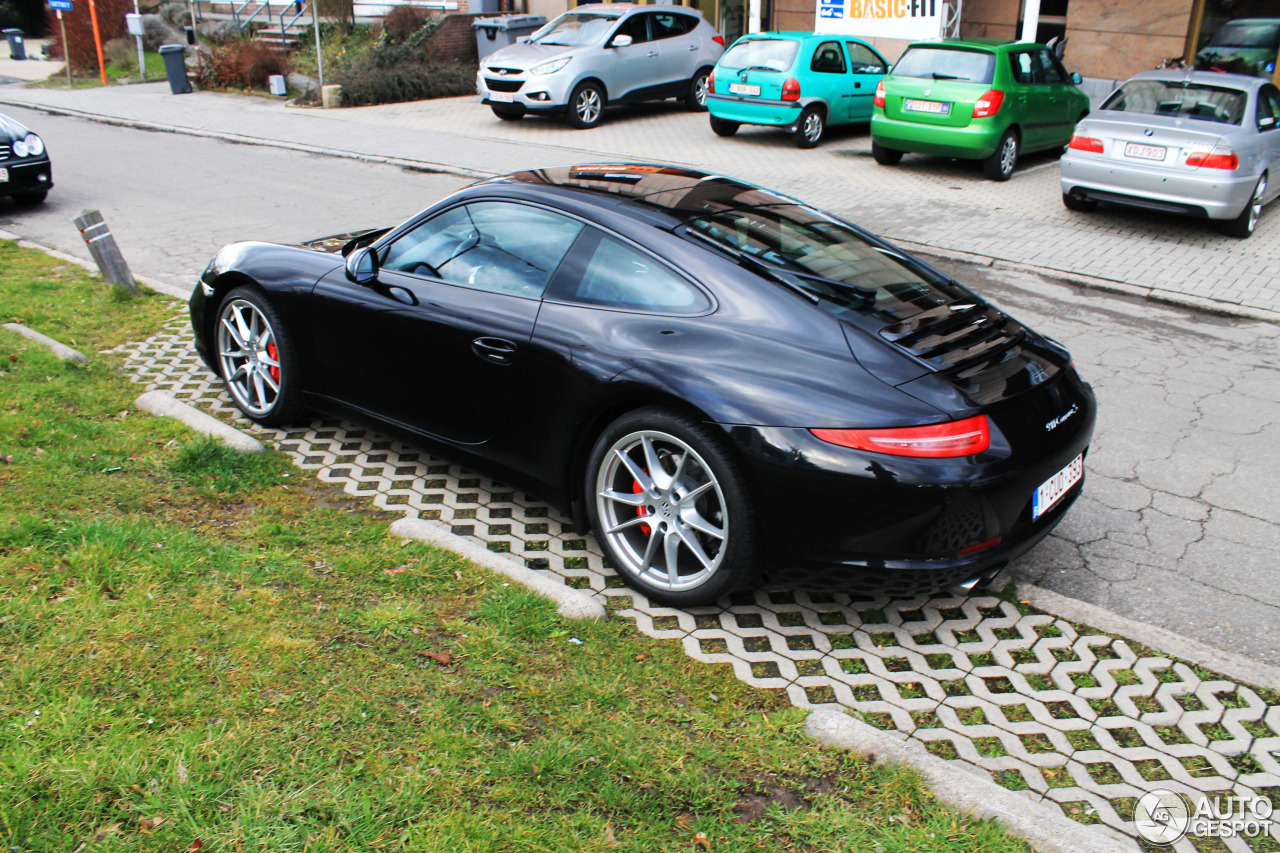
[754, 111]
[976, 141]
[27, 176]
[1200, 193]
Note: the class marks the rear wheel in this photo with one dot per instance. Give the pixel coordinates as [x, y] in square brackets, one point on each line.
[1079, 203]
[809, 128]
[696, 99]
[507, 113]
[885, 156]
[1245, 224]
[724, 127]
[669, 505]
[999, 166]
[256, 358]
[586, 105]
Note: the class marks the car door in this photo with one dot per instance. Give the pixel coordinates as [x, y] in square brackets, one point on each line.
[630, 67]
[1029, 99]
[438, 343]
[829, 79]
[1268, 140]
[1063, 109]
[867, 68]
[672, 32]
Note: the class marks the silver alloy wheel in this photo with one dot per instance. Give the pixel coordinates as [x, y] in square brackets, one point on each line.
[1008, 154]
[1255, 206]
[587, 106]
[248, 356]
[812, 128]
[662, 511]
[700, 89]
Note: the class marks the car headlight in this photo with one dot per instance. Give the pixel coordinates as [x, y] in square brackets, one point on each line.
[35, 145]
[550, 67]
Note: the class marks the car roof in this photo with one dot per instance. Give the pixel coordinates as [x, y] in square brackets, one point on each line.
[1244, 82]
[800, 35]
[624, 8]
[973, 44]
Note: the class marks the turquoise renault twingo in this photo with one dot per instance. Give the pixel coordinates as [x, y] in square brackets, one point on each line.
[802, 82]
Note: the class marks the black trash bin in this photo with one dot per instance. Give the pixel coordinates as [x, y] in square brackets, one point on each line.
[175, 66]
[17, 47]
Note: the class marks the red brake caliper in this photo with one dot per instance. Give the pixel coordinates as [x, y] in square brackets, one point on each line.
[635, 487]
[275, 356]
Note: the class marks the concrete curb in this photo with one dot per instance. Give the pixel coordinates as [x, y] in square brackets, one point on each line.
[61, 350]
[570, 603]
[164, 405]
[1046, 828]
[155, 284]
[1234, 666]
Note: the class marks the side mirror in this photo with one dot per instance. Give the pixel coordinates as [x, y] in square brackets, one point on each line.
[362, 266]
[623, 40]
[1076, 78]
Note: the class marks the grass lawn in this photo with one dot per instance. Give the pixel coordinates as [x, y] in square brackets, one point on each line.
[201, 647]
[115, 73]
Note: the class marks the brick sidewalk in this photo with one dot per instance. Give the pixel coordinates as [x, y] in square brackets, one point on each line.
[936, 203]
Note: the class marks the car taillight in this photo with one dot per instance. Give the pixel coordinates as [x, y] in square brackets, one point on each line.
[879, 99]
[1085, 143]
[791, 89]
[718, 40]
[937, 441]
[711, 82]
[1218, 158]
[989, 104]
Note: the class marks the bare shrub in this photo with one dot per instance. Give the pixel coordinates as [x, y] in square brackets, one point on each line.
[240, 64]
[403, 21]
[80, 49]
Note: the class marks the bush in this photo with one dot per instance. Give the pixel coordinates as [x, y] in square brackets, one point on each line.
[402, 22]
[158, 31]
[80, 50]
[390, 76]
[175, 15]
[122, 52]
[240, 64]
[218, 32]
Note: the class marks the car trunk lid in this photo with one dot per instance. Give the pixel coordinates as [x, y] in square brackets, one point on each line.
[946, 103]
[1159, 142]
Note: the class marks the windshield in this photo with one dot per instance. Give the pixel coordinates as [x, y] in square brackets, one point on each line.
[1263, 34]
[1178, 98]
[833, 264]
[767, 54]
[573, 29]
[940, 64]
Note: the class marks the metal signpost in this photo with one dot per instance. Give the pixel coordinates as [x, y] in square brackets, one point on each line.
[60, 6]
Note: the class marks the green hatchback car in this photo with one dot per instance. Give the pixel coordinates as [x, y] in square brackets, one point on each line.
[802, 82]
[976, 100]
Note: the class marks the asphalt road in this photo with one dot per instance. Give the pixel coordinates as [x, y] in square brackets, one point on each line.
[1180, 519]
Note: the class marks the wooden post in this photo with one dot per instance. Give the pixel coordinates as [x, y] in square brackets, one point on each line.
[97, 236]
[66, 51]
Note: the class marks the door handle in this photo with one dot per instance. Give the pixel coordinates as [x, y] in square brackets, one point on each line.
[651, 54]
[496, 350]
[693, 47]
[857, 84]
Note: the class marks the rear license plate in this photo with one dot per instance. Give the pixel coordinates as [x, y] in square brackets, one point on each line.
[743, 89]
[935, 107]
[1144, 152]
[1052, 489]
[4, 176]
[502, 97]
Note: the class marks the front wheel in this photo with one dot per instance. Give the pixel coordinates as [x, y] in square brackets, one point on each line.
[669, 505]
[256, 358]
[1245, 224]
[586, 106]
[809, 128]
[724, 127]
[999, 166]
[885, 156]
[696, 99]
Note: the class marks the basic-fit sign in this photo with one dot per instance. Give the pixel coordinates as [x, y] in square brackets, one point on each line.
[899, 19]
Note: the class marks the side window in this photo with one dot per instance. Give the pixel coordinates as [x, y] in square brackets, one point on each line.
[669, 24]
[496, 246]
[828, 58]
[637, 26]
[1024, 70]
[864, 60]
[1048, 70]
[612, 274]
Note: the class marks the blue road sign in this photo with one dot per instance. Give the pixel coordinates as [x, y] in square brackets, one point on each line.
[64, 5]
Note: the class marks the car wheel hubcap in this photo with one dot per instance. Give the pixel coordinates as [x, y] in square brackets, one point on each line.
[812, 127]
[249, 357]
[662, 511]
[700, 90]
[1008, 155]
[588, 106]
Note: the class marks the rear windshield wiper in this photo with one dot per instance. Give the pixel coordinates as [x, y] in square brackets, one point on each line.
[937, 76]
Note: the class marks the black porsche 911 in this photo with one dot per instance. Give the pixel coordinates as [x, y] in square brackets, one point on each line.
[718, 380]
[25, 172]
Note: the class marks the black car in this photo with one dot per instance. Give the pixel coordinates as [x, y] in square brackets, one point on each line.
[25, 173]
[716, 379]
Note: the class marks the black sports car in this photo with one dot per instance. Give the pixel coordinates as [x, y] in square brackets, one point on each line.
[25, 172]
[715, 378]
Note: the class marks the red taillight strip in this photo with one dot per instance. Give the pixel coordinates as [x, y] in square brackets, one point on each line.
[1086, 143]
[936, 441]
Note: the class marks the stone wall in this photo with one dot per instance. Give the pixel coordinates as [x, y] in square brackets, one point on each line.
[993, 19]
[1116, 39]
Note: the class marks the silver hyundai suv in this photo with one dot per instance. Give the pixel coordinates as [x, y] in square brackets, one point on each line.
[611, 53]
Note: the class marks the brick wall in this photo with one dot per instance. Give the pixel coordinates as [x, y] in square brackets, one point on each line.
[455, 39]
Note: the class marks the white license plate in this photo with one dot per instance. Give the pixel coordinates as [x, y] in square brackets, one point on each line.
[743, 89]
[1052, 489]
[935, 107]
[502, 97]
[1144, 152]
[4, 176]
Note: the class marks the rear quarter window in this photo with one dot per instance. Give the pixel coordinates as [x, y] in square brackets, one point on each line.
[934, 63]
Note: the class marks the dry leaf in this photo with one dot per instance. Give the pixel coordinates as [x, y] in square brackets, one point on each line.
[642, 657]
[701, 840]
[105, 831]
[609, 837]
[150, 823]
[268, 710]
[685, 821]
[442, 658]
[195, 846]
[225, 807]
